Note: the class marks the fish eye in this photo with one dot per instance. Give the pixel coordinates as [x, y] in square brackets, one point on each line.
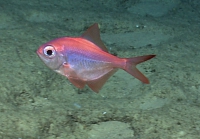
[49, 51]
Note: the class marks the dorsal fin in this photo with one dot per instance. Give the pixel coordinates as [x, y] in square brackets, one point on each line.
[93, 34]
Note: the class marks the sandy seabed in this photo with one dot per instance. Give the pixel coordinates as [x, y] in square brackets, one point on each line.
[36, 103]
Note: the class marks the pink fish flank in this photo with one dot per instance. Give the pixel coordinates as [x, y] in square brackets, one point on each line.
[85, 60]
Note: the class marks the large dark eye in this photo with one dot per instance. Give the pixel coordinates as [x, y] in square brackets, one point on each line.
[49, 51]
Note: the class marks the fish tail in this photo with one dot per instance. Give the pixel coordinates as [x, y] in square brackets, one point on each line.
[131, 67]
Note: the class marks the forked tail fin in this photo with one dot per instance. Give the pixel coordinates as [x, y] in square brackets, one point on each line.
[131, 67]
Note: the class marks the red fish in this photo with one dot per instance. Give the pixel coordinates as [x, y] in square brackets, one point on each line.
[85, 60]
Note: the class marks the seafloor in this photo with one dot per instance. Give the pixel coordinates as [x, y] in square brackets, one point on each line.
[37, 103]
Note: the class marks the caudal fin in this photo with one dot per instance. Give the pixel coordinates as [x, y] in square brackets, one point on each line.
[131, 67]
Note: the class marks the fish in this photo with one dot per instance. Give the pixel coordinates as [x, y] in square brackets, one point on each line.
[85, 60]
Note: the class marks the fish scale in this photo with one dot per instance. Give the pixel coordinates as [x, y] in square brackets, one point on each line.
[85, 60]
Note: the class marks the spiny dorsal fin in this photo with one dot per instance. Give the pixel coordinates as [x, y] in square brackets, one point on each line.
[93, 34]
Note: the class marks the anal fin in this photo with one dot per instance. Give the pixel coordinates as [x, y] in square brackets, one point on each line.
[72, 76]
[77, 82]
[97, 84]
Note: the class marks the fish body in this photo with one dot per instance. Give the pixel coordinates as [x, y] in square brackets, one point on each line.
[85, 60]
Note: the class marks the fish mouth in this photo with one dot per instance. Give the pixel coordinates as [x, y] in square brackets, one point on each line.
[37, 52]
[40, 53]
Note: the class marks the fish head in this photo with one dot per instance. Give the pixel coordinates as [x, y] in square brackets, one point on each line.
[51, 55]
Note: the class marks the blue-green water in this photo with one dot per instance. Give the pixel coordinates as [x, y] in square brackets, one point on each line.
[37, 103]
